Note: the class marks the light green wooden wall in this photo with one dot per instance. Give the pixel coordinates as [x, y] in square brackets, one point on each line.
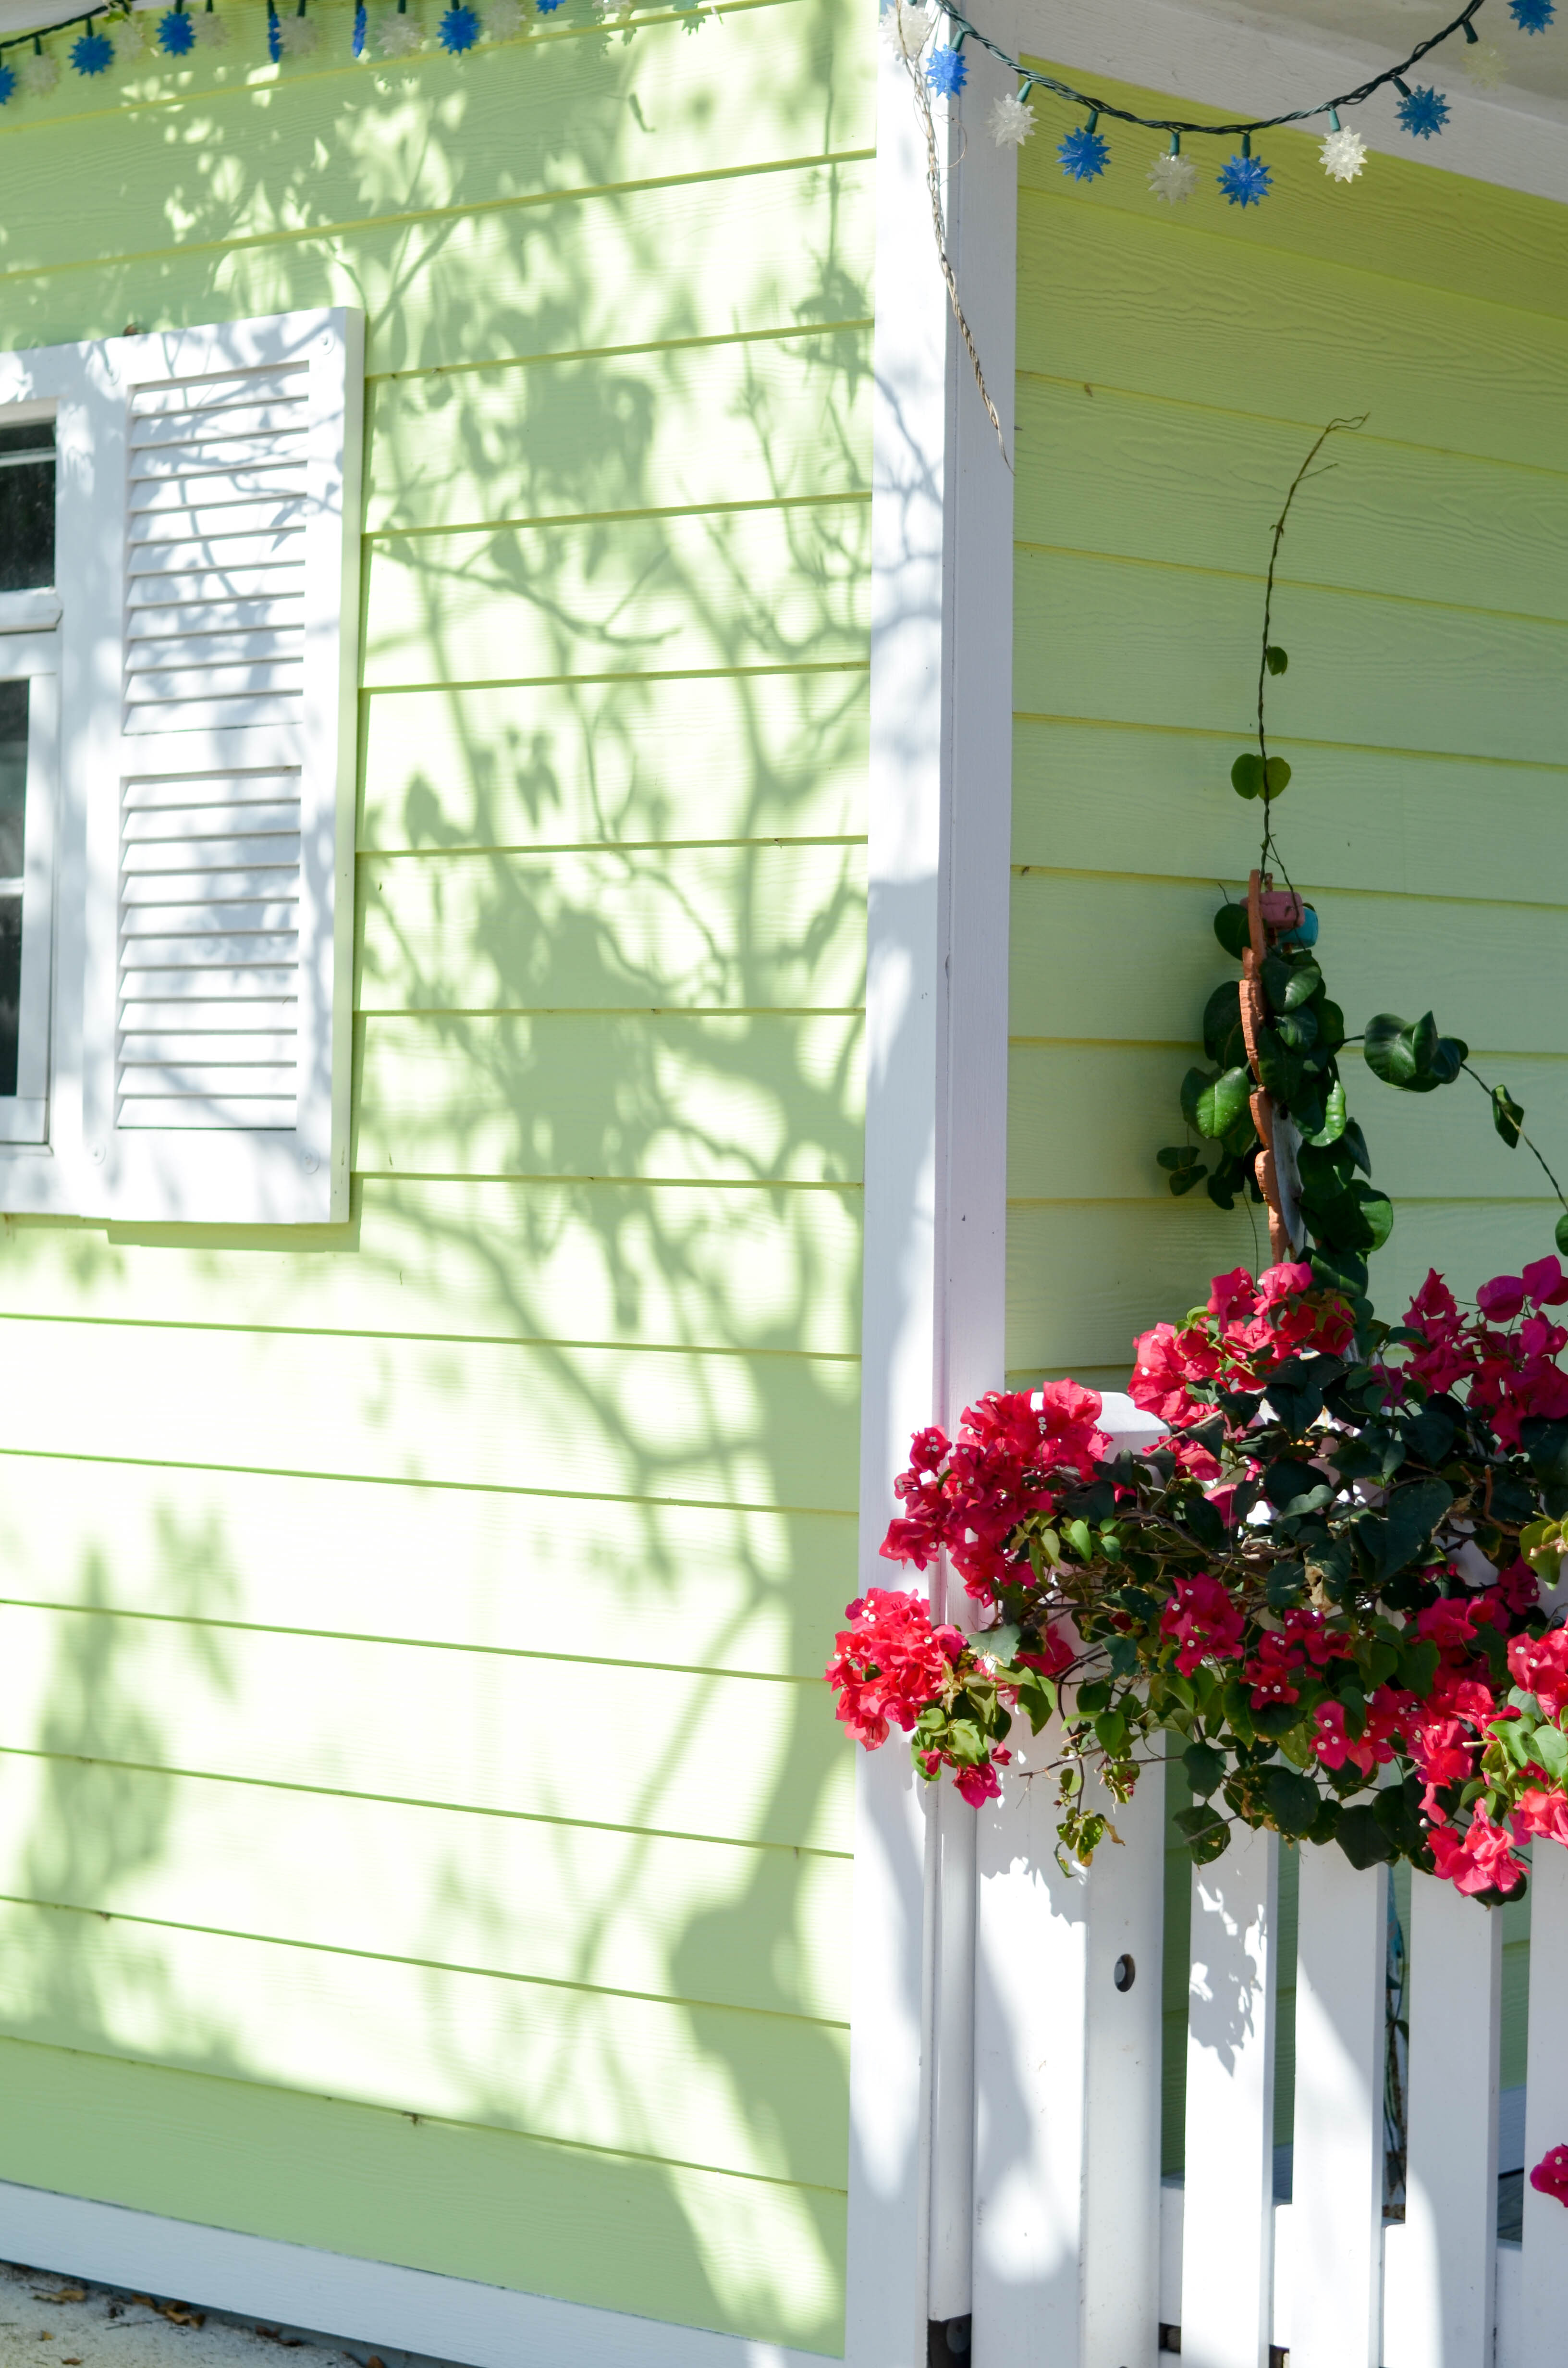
[1173, 369]
[422, 1829]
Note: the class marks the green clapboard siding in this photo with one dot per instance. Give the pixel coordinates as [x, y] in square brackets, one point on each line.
[423, 1829]
[1174, 368]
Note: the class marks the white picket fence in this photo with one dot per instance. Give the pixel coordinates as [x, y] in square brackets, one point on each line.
[1082, 2255]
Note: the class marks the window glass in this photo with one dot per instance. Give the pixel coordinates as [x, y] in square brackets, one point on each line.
[26, 505]
[13, 825]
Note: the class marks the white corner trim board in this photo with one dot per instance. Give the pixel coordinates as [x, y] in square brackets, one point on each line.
[363, 2302]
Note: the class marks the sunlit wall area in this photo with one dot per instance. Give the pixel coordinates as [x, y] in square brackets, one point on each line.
[422, 1829]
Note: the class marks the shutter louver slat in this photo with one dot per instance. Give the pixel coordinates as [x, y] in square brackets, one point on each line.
[209, 954]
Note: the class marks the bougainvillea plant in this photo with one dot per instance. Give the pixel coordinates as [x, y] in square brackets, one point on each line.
[1325, 1581]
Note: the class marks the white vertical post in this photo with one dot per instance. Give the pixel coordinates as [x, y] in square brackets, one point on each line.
[1228, 2216]
[1030, 2064]
[1439, 2304]
[1121, 2187]
[1545, 2261]
[1337, 2189]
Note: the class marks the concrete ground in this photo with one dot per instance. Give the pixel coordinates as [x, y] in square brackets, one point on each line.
[53, 2322]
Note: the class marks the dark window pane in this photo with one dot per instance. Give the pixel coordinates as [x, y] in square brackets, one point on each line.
[13, 824]
[26, 505]
[10, 988]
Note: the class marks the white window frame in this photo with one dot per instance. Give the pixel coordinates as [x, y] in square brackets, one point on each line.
[31, 656]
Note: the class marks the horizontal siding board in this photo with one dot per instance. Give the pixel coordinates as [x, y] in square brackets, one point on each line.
[1085, 1121]
[1085, 1278]
[688, 1266]
[1498, 979]
[767, 1096]
[586, 273]
[741, 927]
[703, 1922]
[1355, 814]
[562, 116]
[1132, 477]
[633, 2075]
[759, 1430]
[619, 2232]
[1387, 674]
[1410, 224]
[769, 756]
[491, 1732]
[677, 428]
[1438, 369]
[727, 588]
[648, 1585]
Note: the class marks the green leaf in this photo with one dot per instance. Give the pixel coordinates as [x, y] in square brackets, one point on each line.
[1214, 1105]
[1418, 1668]
[1186, 1181]
[1362, 1838]
[1330, 1025]
[1246, 776]
[1279, 1069]
[1546, 1444]
[1277, 777]
[1552, 1750]
[1287, 1482]
[1506, 1116]
[1333, 1115]
[1299, 1030]
[1293, 1801]
[1222, 1038]
[1560, 1234]
[1205, 1769]
[1391, 1051]
[1287, 984]
[1275, 659]
[1178, 1155]
[1231, 927]
[1036, 1700]
[1079, 1538]
[1414, 1512]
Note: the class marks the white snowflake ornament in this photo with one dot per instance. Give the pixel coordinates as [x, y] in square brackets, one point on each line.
[297, 36]
[1344, 153]
[129, 39]
[504, 19]
[211, 30]
[1011, 122]
[1172, 178]
[907, 25]
[398, 36]
[1485, 64]
[39, 73]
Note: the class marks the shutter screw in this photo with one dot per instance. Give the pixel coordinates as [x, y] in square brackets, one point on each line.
[308, 1162]
[1124, 1973]
[96, 1153]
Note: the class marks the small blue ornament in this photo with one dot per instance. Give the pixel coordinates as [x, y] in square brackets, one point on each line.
[1422, 112]
[548, 7]
[359, 22]
[1085, 153]
[947, 72]
[274, 34]
[1246, 180]
[7, 83]
[177, 34]
[92, 55]
[458, 29]
[1305, 932]
[1532, 16]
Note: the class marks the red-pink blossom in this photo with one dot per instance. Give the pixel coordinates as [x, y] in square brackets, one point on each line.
[1541, 1810]
[1550, 2176]
[981, 1784]
[1545, 1282]
[889, 1664]
[1204, 1620]
[1233, 1296]
[1501, 1299]
[1480, 1860]
[1278, 1282]
[1540, 1664]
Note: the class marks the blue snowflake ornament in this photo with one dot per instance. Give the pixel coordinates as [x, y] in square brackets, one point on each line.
[274, 34]
[548, 7]
[359, 22]
[1246, 180]
[1532, 16]
[947, 72]
[1085, 155]
[92, 55]
[1422, 112]
[7, 83]
[458, 29]
[177, 34]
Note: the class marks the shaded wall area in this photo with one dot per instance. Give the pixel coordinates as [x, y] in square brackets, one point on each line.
[423, 1832]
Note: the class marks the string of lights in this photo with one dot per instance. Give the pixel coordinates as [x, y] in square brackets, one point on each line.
[908, 27]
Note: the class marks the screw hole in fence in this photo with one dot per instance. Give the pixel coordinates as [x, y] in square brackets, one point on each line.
[1124, 1973]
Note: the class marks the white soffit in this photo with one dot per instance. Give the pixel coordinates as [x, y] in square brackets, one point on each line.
[1264, 61]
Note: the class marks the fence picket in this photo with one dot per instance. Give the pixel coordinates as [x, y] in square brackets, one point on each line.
[1545, 2260]
[1227, 2218]
[1338, 2189]
[1440, 2303]
[1121, 2185]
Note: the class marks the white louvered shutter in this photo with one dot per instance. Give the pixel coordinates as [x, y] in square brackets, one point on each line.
[220, 831]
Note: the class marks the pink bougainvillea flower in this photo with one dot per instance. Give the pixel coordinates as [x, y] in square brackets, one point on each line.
[1055, 1654]
[1540, 1664]
[1278, 1282]
[1501, 1299]
[1205, 1623]
[1542, 1809]
[1545, 1282]
[1480, 1860]
[1550, 2176]
[981, 1784]
[889, 1664]
[1233, 1296]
